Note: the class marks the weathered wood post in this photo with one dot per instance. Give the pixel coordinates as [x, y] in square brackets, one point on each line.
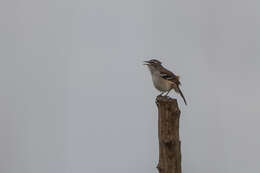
[168, 132]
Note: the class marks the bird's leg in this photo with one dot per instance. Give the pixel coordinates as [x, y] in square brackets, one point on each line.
[161, 94]
[168, 92]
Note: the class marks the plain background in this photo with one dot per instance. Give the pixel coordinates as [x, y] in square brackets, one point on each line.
[75, 97]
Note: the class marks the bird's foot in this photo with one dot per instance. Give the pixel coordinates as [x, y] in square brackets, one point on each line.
[161, 94]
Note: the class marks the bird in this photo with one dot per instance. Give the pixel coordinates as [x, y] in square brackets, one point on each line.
[163, 79]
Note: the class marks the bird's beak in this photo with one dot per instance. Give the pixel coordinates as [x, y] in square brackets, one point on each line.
[146, 63]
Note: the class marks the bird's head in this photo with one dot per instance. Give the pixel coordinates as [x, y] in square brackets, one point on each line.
[152, 63]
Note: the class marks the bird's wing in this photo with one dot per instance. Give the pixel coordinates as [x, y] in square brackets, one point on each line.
[168, 75]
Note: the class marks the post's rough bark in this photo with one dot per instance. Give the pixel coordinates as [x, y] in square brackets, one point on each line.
[168, 132]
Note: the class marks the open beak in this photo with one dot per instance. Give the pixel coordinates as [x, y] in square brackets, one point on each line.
[146, 63]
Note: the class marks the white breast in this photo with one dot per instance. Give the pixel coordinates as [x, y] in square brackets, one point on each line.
[160, 83]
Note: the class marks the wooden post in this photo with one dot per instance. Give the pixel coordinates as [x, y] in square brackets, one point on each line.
[168, 132]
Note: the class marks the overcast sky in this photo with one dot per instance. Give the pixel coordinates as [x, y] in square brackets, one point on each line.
[75, 97]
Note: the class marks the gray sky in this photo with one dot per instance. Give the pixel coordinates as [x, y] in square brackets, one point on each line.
[75, 96]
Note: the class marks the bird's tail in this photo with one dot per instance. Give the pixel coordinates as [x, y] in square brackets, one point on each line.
[182, 95]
